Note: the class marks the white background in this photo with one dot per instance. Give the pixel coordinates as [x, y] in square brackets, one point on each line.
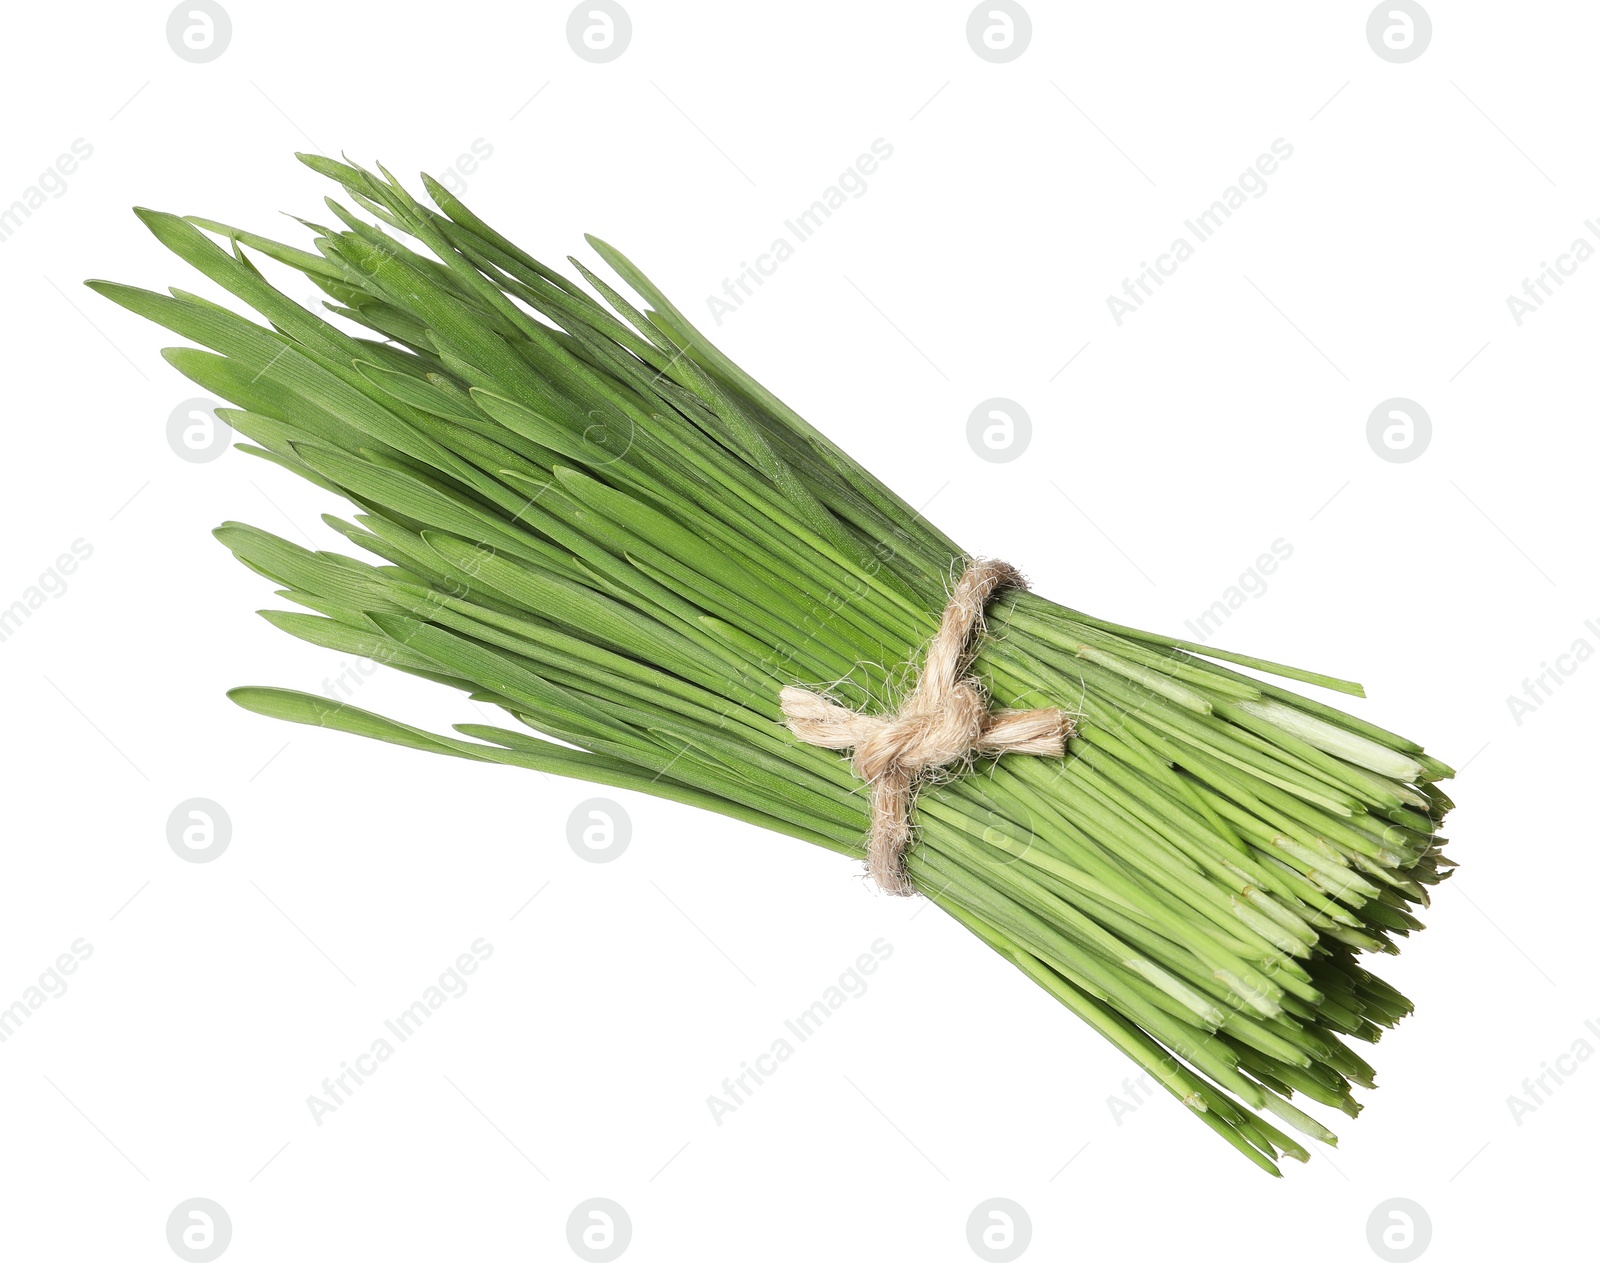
[1229, 412]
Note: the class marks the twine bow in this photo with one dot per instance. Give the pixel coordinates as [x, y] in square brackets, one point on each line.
[945, 719]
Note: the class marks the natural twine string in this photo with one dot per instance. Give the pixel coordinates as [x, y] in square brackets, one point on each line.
[945, 719]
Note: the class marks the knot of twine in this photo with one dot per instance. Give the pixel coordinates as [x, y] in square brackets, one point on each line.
[945, 719]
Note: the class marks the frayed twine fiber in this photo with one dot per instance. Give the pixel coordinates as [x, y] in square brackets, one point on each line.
[944, 720]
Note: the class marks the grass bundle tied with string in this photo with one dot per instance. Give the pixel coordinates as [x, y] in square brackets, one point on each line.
[586, 515]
